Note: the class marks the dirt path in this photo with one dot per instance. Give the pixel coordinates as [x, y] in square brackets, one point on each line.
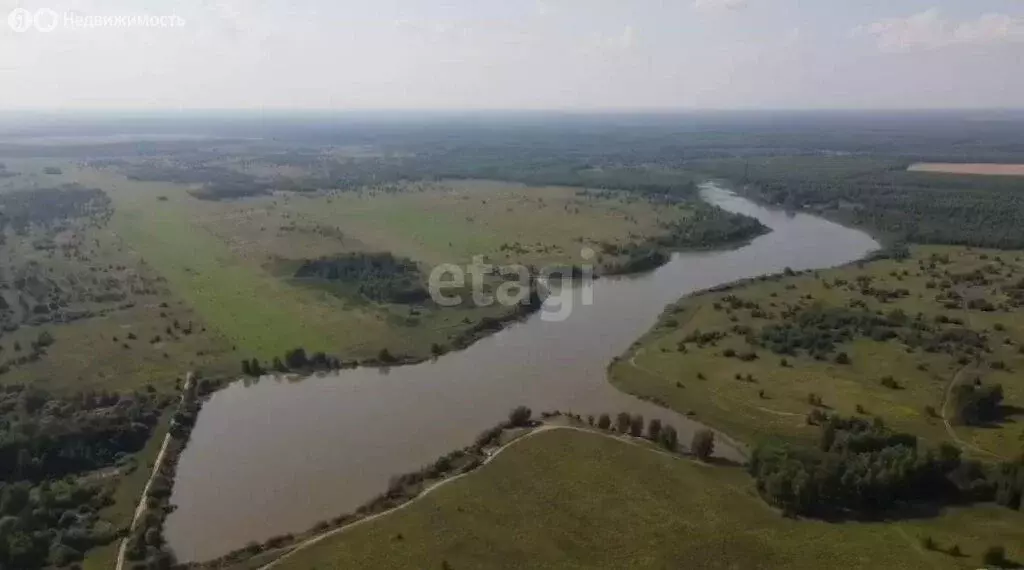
[140, 509]
[310, 542]
[547, 427]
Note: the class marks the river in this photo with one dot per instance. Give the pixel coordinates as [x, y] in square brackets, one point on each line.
[278, 455]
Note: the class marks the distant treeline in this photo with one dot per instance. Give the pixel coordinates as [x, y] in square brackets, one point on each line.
[919, 207]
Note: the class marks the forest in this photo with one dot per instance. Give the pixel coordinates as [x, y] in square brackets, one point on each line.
[378, 277]
[879, 194]
[50, 505]
[862, 469]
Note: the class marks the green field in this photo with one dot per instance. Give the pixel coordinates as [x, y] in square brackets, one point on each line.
[222, 257]
[566, 499]
[768, 394]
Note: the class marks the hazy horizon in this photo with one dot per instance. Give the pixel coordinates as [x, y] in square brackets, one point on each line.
[539, 55]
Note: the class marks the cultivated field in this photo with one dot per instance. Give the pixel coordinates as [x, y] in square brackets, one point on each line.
[887, 339]
[566, 499]
[978, 168]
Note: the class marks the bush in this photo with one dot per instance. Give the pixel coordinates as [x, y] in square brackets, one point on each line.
[994, 556]
[604, 422]
[669, 438]
[622, 422]
[928, 543]
[891, 383]
[842, 358]
[654, 429]
[636, 426]
[520, 416]
[703, 444]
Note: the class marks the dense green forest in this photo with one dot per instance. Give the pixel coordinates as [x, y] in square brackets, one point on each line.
[880, 194]
[863, 469]
[378, 277]
[50, 503]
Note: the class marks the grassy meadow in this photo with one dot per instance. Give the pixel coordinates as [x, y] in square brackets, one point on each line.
[115, 323]
[566, 499]
[223, 258]
[748, 390]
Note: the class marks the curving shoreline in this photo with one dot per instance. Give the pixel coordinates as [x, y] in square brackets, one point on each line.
[344, 434]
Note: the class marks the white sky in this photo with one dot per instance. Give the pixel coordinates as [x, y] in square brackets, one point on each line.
[520, 54]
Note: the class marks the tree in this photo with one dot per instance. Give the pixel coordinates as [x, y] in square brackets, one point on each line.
[604, 421]
[246, 369]
[703, 444]
[669, 438]
[828, 437]
[296, 358]
[622, 422]
[636, 426]
[654, 429]
[255, 368]
[279, 365]
[519, 416]
[385, 356]
[994, 556]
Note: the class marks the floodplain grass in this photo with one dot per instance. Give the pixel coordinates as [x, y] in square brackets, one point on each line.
[568, 499]
[215, 257]
[134, 333]
[769, 395]
[448, 221]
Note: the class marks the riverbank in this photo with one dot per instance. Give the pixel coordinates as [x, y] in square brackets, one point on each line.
[556, 500]
[322, 427]
[406, 490]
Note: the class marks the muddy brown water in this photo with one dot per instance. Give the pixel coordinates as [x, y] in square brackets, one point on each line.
[279, 455]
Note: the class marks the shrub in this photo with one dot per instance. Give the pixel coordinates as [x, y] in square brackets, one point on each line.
[622, 422]
[636, 426]
[520, 416]
[669, 438]
[604, 421]
[994, 556]
[654, 429]
[703, 444]
[890, 382]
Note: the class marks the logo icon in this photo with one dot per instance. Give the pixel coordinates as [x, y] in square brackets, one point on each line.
[20, 20]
